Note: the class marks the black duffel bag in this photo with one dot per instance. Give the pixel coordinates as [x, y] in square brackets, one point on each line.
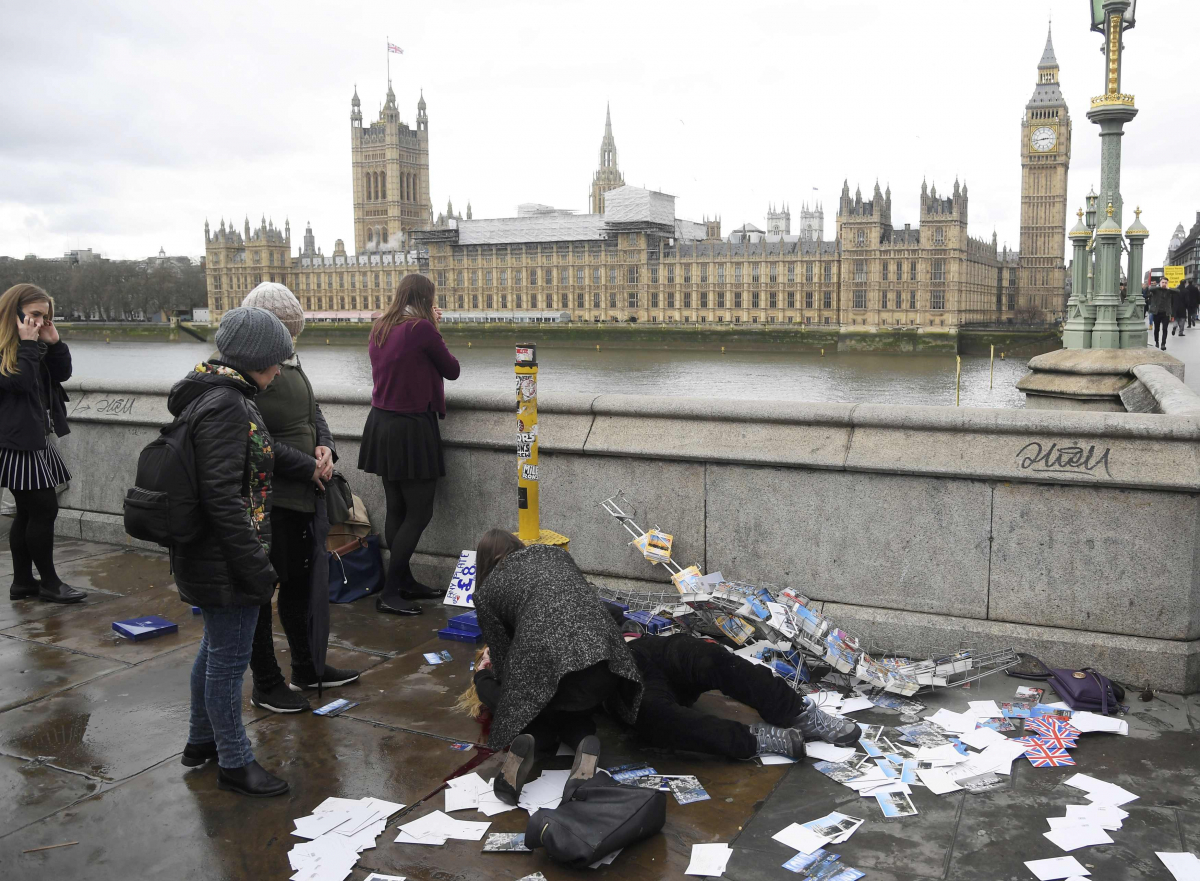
[598, 817]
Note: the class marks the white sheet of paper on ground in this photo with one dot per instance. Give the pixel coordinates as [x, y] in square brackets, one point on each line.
[983, 709]
[833, 818]
[944, 753]
[801, 838]
[489, 804]
[316, 825]
[1182, 866]
[890, 786]
[1085, 722]
[544, 792]
[982, 738]
[461, 799]
[605, 861]
[709, 859]
[1104, 816]
[937, 781]
[1074, 837]
[827, 752]
[439, 825]
[1100, 791]
[854, 704]
[1056, 868]
[826, 700]
[773, 759]
[956, 723]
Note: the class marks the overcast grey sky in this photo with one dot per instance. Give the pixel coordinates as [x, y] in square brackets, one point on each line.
[126, 124]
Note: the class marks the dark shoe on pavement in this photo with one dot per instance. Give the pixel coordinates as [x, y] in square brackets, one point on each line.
[419, 591]
[773, 741]
[63, 593]
[817, 725]
[518, 765]
[332, 676]
[24, 591]
[196, 754]
[279, 699]
[587, 756]
[397, 606]
[253, 780]
[1172, 330]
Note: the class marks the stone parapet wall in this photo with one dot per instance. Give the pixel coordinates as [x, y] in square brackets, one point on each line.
[1072, 535]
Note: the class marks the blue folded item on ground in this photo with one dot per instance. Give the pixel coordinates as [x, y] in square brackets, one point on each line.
[459, 635]
[462, 628]
[652, 623]
[148, 627]
[468, 621]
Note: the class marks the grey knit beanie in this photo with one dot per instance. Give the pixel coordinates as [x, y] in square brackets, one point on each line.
[277, 299]
[250, 338]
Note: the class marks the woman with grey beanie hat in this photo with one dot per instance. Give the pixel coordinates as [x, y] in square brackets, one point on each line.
[227, 572]
[293, 417]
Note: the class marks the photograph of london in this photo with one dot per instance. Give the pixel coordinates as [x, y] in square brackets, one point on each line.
[534, 441]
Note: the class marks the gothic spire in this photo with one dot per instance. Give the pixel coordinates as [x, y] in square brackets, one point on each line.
[1048, 59]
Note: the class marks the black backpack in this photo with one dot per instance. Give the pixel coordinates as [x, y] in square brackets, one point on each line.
[163, 506]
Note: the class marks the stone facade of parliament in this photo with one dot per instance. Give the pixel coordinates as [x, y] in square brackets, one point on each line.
[632, 258]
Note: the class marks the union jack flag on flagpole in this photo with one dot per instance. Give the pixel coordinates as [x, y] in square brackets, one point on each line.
[392, 47]
[1046, 756]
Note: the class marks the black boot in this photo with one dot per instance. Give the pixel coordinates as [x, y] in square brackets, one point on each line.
[253, 780]
[518, 765]
[587, 756]
[24, 591]
[196, 754]
[63, 593]
[396, 605]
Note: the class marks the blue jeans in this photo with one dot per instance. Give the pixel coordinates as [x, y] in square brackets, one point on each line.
[217, 683]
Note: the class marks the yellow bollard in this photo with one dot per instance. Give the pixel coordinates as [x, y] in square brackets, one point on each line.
[722, 350]
[957, 377]
[106, 341]
[597, 347]
[992, 367]
[1001, 356]
[822, 353]
[529, 527]
[327, 341]
[468, 344]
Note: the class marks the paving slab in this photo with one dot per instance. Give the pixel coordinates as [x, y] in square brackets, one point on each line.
[999, 831]
[89, 628]
[357, 625]
[30, 791]
[14, 612]
[175, 823]
[1189, 830]
[30, 670]
[65, 550]
[123, 571]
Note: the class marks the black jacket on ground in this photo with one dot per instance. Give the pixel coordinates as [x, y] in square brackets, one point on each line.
[22, 415]
[229, 565]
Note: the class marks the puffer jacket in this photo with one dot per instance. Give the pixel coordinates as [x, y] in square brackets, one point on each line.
[24, 421]
[235, 460]
[1160, 300]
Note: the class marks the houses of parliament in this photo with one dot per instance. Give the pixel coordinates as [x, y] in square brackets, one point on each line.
[631, 258]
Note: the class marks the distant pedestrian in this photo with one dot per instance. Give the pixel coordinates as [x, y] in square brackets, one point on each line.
[228, 572]
[1193, 302]
[401, 440]
[1146, 304]
[1179, 309]
[34, 362]
[293, 418]
[1160, 309]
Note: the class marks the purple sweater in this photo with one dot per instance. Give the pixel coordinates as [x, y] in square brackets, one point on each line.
[409, 367]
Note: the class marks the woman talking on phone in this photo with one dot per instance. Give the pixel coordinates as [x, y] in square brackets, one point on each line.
[34, 363]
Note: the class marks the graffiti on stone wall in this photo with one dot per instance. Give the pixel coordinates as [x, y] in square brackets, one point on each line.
[1054, 459]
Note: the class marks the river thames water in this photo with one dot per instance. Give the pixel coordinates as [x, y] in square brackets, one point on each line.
[801, 376]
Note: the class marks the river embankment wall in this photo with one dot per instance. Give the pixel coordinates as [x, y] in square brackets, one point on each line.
[1071, 536]
[706, 337]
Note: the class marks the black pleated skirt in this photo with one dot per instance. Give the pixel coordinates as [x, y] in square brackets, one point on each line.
[402, 446]
[32, 469]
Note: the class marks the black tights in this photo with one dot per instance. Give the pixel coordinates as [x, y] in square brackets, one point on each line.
[409, 510]
[1161, 320]
[31, 539]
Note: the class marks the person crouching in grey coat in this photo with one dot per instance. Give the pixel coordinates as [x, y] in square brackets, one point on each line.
[557, 654]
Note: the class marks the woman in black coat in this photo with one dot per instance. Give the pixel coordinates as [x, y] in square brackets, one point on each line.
[34, 362]
[228, 572]
[557, 654]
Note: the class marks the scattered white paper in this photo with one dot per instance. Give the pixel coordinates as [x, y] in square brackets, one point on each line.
[544, 792]
[826, 700]
[318, 824]
[945, 753]
[982, 738]
[827, 752]
[1182, 866]
[439, 825]
[709, 859]
[606, 861]
[937, 781]
[1100, 791]
[1085, 722]
[854, 704]
[1104, 816]
[1057, 867]
[1074, 837]
[800, 838]
[956, 723]
[984, 709]
[773, 759]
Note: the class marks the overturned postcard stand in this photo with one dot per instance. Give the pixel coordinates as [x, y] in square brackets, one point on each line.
[778, 625]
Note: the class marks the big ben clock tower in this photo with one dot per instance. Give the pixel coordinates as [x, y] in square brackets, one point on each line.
[1045, 158]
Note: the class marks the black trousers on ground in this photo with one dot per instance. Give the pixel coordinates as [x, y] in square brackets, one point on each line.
[1161, 320]
[409, 510]
[31, 538]
[568, 716]
[291, 550]
[678, 669]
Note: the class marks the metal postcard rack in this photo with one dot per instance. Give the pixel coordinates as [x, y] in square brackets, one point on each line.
[790, 626]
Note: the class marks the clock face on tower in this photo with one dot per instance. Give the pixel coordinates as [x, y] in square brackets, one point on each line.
[1043, 139]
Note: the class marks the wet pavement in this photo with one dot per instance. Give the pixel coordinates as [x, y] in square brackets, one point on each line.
[91, 727]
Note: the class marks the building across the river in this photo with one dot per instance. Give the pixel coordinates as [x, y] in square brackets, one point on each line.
[632, 259]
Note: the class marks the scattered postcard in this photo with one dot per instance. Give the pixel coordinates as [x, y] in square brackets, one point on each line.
[1000, 723]
[1015, 710]
[802, 861]
[847, 874]
[1074, 837]
[1182, 866]
[1056, 868]
[629, 773]
[433, 658]
[801, 838]
[839, 771]
[1027, 693]
[375, 876]
[652, 781]
[824, 868]
[709, 859]
[1100, 792]
[871, 732]
[871, 748]
[687, 789]
[1104, 816]
[923, 734]
[895, 804]
[854, 705]
[837, 827]
[955, 723]
[891, 702]
[983, 709]
[536, 876]
[827, 752]
[505, 842]
[335, 708]
[981, 782]
[937, 781]
[982, 738]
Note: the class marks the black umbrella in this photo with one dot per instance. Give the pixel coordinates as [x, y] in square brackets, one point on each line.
[318, 605]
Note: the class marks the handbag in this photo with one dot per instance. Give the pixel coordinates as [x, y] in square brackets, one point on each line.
[355, 570]
[1087, 690]
[598, 817]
